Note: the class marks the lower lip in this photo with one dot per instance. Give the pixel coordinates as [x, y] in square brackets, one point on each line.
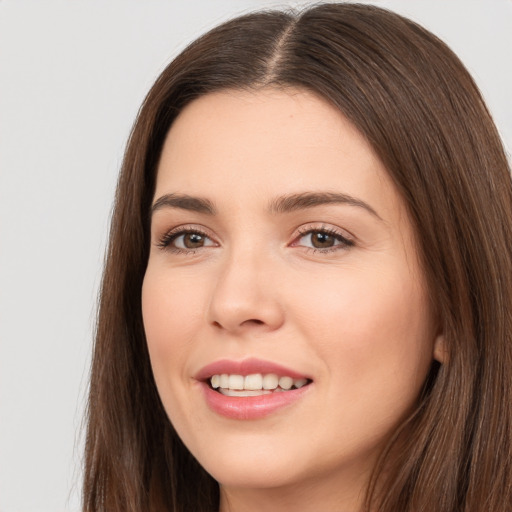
[250, 407]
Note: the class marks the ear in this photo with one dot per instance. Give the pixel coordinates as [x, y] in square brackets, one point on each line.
[440, 351]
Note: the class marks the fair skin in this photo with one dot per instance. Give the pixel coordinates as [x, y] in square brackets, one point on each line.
[330, 288]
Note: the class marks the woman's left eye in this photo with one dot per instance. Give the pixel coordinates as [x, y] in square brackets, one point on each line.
[323, 240]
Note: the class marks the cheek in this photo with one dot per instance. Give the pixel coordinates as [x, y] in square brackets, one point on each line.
[171, 305]
[373, 332]
[171, 311]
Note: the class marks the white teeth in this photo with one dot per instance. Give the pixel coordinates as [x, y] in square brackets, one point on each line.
[236, 382]
[256, 383]
[245, 392]
[270, 381]
[224, 381]
[286, 382]
[298, 383]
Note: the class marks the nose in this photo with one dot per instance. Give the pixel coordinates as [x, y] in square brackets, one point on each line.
[245, 298]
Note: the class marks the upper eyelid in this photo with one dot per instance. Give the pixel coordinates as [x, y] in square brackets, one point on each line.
[334, 234]
[164, 239]
[322, 226]
[187, 228]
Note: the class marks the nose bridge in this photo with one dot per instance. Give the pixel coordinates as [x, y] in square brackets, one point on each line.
[244, 296]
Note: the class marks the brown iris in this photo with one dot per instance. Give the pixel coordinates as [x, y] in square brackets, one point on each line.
[193, 240]
[322, 240]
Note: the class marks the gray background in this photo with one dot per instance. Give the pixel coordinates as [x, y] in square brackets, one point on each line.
[72, 76]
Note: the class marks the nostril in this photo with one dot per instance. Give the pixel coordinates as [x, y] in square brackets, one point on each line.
[254, 321]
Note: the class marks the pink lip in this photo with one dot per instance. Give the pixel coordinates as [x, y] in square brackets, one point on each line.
[246, 367]
[251, 407]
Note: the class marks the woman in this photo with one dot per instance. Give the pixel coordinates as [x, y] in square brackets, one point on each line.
[306, 299]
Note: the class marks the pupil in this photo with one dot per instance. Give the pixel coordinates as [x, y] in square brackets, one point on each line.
[193, 240]
[322, 240]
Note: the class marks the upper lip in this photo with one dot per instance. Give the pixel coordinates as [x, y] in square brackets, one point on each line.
[246, 367]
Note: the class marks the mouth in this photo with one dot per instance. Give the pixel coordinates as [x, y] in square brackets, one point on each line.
[251, 389]
[255, 384]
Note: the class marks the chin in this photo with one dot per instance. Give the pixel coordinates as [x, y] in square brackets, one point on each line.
[253, 474]
[255, 463]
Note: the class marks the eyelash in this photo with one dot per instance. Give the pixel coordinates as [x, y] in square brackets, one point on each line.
[166, 241]
[344, 242]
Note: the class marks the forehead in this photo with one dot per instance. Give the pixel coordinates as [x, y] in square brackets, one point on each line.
[269, 141]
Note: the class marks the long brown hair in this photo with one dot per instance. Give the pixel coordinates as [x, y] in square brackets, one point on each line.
[416, 104]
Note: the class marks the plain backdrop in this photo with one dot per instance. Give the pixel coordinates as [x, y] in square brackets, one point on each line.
[72, 76]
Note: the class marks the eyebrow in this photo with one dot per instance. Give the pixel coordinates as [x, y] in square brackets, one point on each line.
[282, 204]
[184, 202]
[290, 203]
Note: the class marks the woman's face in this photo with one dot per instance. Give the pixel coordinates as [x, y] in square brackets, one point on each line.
[280, 249]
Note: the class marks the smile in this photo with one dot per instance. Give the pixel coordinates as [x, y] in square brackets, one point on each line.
[255, 384]
[250, 389]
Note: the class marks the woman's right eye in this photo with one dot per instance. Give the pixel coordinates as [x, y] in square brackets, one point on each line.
[185, 241]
